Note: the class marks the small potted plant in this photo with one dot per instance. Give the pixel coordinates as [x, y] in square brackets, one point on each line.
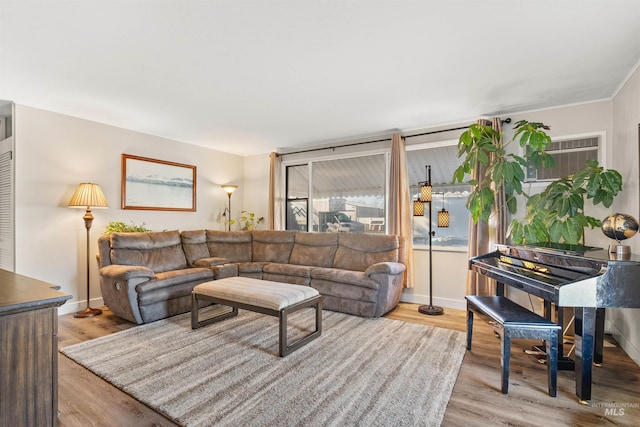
[121, 227]
[248, 221]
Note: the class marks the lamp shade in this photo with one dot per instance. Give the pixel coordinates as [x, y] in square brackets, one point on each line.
[426, 191]
[88, 195]
[418, 208]
[229, 189]
[443, 218]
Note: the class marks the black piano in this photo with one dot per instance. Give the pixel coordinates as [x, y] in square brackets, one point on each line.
[586, 278]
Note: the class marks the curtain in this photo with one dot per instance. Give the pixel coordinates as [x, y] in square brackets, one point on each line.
[400, 212]
[484, 236]
[274, 217]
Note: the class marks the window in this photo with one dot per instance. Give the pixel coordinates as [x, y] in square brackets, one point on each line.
[348, 194]
[345, 195]
[297, 197]
[443, 159]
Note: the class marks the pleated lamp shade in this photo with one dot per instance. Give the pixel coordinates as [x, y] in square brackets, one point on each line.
[88, 195]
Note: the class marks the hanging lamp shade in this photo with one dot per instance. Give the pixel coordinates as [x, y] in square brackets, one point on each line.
[426, 192]
[418, 208]
[443, 218]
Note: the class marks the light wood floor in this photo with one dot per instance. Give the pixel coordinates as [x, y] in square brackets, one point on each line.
[86, 400]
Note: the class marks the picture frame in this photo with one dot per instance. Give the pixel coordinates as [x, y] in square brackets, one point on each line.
[158, 185]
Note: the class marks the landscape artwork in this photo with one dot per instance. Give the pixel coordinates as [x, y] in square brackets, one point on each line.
[150, 184]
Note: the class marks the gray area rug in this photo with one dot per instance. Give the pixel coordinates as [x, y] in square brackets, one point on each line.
[365, 372]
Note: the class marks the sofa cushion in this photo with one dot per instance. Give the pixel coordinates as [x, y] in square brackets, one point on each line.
[159, 251]
[359, 251]
[272, 246]
[194, 243]
[288, 269]
[235, 246]
[345, 277]
[170, 278]
[250, 269]
[317, 249]
[172, 284]
[340, 290]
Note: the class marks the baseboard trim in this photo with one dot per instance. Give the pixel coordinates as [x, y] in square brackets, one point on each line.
[440, 302]
[632, 351]
[73, 306]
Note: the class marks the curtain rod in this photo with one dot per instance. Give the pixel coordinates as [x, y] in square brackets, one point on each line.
[507, 120]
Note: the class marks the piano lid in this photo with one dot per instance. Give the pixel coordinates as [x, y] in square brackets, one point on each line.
[554, 274]
[565, 248]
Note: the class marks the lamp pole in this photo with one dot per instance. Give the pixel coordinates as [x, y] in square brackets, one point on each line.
[229, 189]
[426, 196]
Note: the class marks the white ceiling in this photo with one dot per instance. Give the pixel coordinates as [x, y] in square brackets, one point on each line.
[248, 77]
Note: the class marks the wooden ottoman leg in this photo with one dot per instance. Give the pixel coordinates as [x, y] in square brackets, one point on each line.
[284, 347]
[194, 311]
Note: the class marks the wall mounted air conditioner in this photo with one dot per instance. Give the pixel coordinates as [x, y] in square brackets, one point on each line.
[571, 155]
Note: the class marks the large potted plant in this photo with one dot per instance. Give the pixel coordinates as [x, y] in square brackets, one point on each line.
[481, 146]
[555, 215]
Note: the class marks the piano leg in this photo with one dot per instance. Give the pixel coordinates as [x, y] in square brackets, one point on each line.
[585, 328]
[599, 337]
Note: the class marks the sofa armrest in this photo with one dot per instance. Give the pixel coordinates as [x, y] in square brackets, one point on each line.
[209, 262]
[385, 268]
[126, 272]
[223, 271]
[388, 276]
[118, 285]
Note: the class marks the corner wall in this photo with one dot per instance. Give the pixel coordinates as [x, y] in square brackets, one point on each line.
[54, 153]
[626, 155]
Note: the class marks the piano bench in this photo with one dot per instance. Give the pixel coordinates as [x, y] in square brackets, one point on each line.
[510, 321]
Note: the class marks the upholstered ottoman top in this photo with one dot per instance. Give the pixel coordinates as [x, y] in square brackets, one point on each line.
[260, 293]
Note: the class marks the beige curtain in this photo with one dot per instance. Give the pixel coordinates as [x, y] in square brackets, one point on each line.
[275, 218]
[484, 236]
[400, 204]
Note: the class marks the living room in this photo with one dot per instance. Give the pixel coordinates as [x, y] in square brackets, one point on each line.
[56, 150]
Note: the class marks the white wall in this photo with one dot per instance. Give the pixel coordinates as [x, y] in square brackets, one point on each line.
[449, 278]
[54, 153]
[256, 182]
[626, 119]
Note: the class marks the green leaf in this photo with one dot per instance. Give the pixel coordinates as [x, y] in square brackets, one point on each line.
[515, 232]
[483, 158]
[572, 231]
[555, 231]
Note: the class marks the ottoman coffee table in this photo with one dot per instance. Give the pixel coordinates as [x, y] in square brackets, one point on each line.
[261, 296]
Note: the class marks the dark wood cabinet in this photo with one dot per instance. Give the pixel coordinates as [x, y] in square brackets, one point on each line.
[28, 351]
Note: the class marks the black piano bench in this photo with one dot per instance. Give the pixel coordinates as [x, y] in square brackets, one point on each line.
[510, 321]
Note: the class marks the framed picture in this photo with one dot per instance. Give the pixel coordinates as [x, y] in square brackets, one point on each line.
[150, 184]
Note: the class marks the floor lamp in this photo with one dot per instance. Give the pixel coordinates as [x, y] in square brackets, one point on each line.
[88, 195]
[425, 196]
[229, 189]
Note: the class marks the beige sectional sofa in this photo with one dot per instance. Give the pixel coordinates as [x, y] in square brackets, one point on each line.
[149, 276]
